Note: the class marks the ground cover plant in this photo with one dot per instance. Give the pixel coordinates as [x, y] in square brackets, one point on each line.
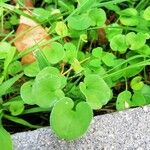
[64, 61]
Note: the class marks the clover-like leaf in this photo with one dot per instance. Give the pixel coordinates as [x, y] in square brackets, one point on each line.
[98, 17]
[123, 100]
[118, 43]
[48, 84]
[69, 121]
[96, 91]
[136, 41]
[51, 52]
[146, 14]
[136, 83]
[79, 22]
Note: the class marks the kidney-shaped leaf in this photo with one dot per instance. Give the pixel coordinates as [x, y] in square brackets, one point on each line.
[79, 22]
[69, 123]
[96, 91]
[54, 53]
[47, 86]
[118, 43]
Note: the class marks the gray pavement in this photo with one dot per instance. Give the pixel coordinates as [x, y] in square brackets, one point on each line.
[127, 130]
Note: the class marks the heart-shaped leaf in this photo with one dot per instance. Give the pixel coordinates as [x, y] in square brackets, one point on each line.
[96, 91]
[136, 83]
[68, 122]
[118, 43]
[98, 17]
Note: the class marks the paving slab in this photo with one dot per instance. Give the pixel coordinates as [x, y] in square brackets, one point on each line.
[125, 130]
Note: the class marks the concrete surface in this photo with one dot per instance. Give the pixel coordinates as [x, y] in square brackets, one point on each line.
[127, 130]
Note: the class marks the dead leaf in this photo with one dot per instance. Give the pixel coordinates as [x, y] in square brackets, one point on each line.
[28, 34]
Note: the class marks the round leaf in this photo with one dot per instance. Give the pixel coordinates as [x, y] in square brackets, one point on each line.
[79, 22]
[69, 123]
[54, 53]
[96, 91]
[48, 86]
[118, 43]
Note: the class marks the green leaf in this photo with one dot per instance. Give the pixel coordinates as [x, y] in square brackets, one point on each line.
[41, 14]
[97, 52]
[129, 12]
[68, 122]
[5, 140]
[109, 59]
[4, 49]
[48, 84]
[76, 66]
[118, 43]
[138, 99]
[113, 30]
[79, 22]
[85, 5]
[9, 57]
[136, 83]
[145, 50]
[123, 100]
[96, 91]
[16, 107]
[136, 41]
[146, 14]
[26, 93]
[70, 53]
[31, 70]
[129, 17]
[98, 17]
[14, 68]
[61, 28]
[146, 92]
[52, 52]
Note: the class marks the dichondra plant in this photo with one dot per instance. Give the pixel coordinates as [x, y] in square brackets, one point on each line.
[94, 53]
